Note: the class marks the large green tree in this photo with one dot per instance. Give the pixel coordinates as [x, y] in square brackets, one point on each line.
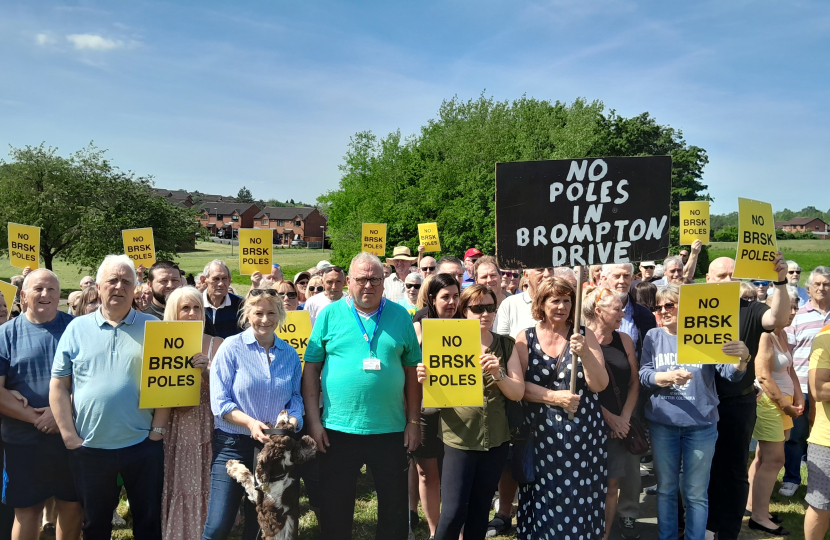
[82, 202]
[446, 173]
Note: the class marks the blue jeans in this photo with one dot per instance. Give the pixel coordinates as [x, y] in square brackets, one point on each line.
[225, 492]
[796, 446]
[691, 449]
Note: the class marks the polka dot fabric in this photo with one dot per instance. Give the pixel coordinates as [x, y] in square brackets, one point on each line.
[567, 501]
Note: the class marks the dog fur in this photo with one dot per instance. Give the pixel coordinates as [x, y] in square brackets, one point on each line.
[272, 489]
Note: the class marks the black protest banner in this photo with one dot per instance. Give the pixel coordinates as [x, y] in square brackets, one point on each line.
[575, 212]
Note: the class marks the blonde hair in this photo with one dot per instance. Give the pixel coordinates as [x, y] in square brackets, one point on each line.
[315, 281]
[748, 292]
[421, 303]
[174, 301]
[85, 298]
[596, 297]
[250, 303]
[668, 292]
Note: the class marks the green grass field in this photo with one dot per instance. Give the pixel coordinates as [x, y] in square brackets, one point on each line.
[807, 253]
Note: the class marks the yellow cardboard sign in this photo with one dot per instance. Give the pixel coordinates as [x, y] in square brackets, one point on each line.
[428, 234]
[374, 238]
[451, 352]
[168, 378]
[707, 320]
[255, 246]
[756, 241]
[24, 246]
[694, 222]
[140, 246]
[296, 330]
[8, 291]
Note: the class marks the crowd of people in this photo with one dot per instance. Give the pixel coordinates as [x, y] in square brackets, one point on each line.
[567, 411]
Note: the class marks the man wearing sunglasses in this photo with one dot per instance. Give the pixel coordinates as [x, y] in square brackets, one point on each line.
[427, 266]
[221, 306]
[761, 287]
[794, 277]
[333, 282]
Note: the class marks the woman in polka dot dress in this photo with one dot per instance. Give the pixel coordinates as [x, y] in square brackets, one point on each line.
[567, 500]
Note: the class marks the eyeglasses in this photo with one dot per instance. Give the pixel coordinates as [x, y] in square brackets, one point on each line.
[289, 295]
[482, 308]
[362, 281]
[259, 292]
[318, 288]
[428, 268]
[793, 271]
[668, 306]
[759, 283]
[415, 286]
[510, 274]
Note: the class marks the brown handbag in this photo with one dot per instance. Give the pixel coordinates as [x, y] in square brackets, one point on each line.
[635, 440]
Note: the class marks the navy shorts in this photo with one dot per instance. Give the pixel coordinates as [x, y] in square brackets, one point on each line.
[36, 472]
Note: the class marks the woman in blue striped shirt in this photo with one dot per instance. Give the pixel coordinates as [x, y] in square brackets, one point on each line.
[253, 377]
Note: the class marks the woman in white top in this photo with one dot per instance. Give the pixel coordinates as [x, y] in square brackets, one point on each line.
[782, 401]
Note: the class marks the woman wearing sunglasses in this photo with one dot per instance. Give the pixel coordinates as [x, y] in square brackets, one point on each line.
[683, 416]
[315, 286]
[476, 439]
[412, 285]
[288, 292]
[254, 376]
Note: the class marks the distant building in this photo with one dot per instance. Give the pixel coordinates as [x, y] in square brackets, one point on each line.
[817, 226]
[223, 219]
[291, 224]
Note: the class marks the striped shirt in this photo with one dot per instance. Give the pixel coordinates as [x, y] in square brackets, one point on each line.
[241, 378]
[806, 325]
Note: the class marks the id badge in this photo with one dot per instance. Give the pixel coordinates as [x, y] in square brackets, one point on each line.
[371, 364]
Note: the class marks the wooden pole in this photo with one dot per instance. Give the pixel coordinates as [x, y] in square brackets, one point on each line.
[577, 325]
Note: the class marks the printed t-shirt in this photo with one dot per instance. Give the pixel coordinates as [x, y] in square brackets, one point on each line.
[358, 401]
[820, 359]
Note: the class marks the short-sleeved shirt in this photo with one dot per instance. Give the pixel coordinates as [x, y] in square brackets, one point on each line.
[26, 353]
[820, 359]
[105, 365]
[315, 305]
[514, 315]
[358, 401]
[394, 288]
[750, 329]
[806, 325]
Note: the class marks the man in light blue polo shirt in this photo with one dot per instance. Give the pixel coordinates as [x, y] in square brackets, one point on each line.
[97, 371]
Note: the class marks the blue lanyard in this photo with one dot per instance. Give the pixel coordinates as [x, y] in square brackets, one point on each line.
[366, 335]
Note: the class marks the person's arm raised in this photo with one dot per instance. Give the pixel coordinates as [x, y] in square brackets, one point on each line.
[779, 310]
[691, 264]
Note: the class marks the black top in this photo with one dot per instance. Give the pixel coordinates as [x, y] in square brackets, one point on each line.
[750, 333]
[617, 361]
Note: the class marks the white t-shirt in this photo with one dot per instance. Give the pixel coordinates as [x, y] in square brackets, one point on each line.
[514, 315]
[315, 305]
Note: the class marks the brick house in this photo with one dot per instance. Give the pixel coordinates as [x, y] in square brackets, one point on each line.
[289, 223]
[817, 226]
[220, 218]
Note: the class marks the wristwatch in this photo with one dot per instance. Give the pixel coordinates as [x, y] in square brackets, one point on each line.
[502, 375]
[160, 430]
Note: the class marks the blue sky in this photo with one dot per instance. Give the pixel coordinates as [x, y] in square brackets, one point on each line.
[215, 95]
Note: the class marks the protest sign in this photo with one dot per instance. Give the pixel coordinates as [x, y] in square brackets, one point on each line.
[374, 238]
[451, 354]
[694, 222]
[168, 378]
[756, 241]
[140, 246]
[577, 212]
[24, 246]
[707, 320]
[296, 330]
[8, 291]
[255, 247]
[428, 234]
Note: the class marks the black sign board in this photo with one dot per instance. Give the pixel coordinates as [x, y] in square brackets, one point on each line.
[574, 212]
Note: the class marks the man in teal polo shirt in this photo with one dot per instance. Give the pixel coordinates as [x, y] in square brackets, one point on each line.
[364, 350]
[94, 396]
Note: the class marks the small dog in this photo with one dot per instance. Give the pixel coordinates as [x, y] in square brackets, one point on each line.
[271, 489]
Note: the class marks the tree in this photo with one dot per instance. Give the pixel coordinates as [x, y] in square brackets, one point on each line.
[81, 203]
[244, 195]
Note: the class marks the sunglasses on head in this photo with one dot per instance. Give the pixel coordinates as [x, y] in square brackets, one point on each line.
[290, 295]
[510, 274]
[478, 309]
[760, 283]
[258, 292]
[428, 268]
[413, 286]
[668, 306]
[318, 288]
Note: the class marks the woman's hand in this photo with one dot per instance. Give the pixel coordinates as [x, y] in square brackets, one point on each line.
[200, 361]
[256, 428]
[490, 362]
[577, 344]
[792, 411]
[619, 427]
[421, 370]
[256, 279]
[678, 377]
[566, 400]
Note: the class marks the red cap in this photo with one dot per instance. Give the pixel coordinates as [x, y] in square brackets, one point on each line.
[472, 252]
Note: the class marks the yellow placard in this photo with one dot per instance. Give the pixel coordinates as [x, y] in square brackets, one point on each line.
[24, 246]
[8, 291]
[140, 246]
[707, 319]
[694, 222]
[756, 241]
[168, 378]
[428, 234]
[451, 352]
[255, 247]
[296, 330]
[374, 238]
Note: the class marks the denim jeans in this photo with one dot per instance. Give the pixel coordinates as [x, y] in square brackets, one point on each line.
[796, 446]
[96, 481]
[689, 448]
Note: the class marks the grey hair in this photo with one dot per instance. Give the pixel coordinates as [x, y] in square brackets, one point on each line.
[607, 268]
[565, 273]
[793, 264]
[415, 277]
[25, 286]
[216, 262]
[364, 257]
[674, 261]
[818, 271]
[668, 292]
[119, 260]
[793, 293]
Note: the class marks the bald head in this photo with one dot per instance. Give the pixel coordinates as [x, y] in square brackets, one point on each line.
[720, 270]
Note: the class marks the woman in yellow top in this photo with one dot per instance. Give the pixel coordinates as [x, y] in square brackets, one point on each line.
[818, 449]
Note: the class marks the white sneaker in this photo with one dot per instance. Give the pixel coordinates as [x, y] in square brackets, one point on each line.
[710, 535]
[788, 489]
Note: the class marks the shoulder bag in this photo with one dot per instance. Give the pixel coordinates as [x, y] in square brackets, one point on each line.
[635, 440]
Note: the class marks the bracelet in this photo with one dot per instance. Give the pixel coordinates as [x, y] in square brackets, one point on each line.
[782, 282]
[416, 422]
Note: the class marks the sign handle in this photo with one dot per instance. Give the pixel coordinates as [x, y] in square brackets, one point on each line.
[577, 326]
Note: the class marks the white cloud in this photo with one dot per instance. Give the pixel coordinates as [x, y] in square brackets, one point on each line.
[44, 39]
[93, 42]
